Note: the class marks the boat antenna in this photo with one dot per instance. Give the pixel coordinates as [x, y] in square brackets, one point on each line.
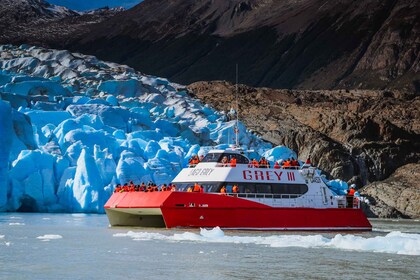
[237, 110]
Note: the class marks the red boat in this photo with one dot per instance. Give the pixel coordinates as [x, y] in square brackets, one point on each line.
[265, 199]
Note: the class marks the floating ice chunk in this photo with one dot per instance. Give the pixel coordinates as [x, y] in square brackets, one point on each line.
[48, 237]
[392, 243]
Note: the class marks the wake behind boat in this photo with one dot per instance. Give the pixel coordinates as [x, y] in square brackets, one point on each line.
[240, 195]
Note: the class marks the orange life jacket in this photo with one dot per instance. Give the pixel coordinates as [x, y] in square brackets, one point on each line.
[196, 188]
[233, 162]
[223, 190]
[235, 189]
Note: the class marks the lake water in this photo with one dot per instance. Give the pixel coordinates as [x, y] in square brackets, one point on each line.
[78, 246]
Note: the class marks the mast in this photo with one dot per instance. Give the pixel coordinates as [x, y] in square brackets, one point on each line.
[237, 110]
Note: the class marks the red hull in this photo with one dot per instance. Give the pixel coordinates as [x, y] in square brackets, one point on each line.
[181, 209]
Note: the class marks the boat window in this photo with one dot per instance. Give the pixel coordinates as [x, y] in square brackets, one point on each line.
[217, 157]
[212, 157]
[290, 188]
[262, 188]
[277, 189]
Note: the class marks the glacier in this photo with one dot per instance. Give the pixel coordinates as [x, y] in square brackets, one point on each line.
[74, 126]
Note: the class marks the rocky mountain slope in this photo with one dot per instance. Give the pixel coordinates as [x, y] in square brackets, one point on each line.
[358, 136]
[40, 23]
[306, 44]
[397, 196]
[282, 44]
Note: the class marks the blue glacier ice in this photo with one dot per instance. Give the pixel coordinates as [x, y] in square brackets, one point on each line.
[74, 126]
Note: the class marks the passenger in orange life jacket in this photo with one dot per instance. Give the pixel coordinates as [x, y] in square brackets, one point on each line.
[294, 163]
[117, 188]
[351, 191]
[276, 165]
[287, 164]
[263, 163]
[233, 161]
[125, 188]
[196, 188]
[235, 189]
[223, 189]
[254, 163]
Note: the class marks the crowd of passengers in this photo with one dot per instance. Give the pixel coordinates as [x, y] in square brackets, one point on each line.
[289, 163]
[150, 187]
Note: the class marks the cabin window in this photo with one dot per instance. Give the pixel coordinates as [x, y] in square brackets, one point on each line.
[217, 157]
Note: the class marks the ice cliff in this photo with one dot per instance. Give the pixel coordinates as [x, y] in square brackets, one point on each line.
[73, 126]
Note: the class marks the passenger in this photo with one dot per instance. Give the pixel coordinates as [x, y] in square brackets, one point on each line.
[173, 188]
[224, 162]
[193, 161]
[223, 189]
[142, 187]
[235, 189]
[351, 191]
[350, 196]
[190, 189]
[155, 188]
[196, 187]
[308, 161]
[294, 163]
[287, 164]
[126, 188]
[163, 188]
[233, 161]
[117, 188]
[201, 189]
[276, 165]
[263, 163]
[201, 158]
[254, 163]
[149, 188]
[132, 188]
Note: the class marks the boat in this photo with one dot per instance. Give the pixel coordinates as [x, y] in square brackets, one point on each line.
[292, 198]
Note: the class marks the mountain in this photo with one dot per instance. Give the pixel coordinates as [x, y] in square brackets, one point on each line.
[40, 23]
[310, 44]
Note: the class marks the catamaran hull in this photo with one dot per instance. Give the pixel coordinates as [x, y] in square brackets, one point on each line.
[180, 209]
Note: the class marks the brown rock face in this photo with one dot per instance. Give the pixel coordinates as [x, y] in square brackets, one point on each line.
[357, 136]
[398, 196]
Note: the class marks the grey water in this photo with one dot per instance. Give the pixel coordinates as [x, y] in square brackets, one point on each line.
[79, 246]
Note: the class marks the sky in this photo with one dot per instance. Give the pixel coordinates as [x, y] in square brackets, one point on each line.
[84, 5]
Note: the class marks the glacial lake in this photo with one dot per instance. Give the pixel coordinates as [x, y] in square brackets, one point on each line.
[80, 246]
